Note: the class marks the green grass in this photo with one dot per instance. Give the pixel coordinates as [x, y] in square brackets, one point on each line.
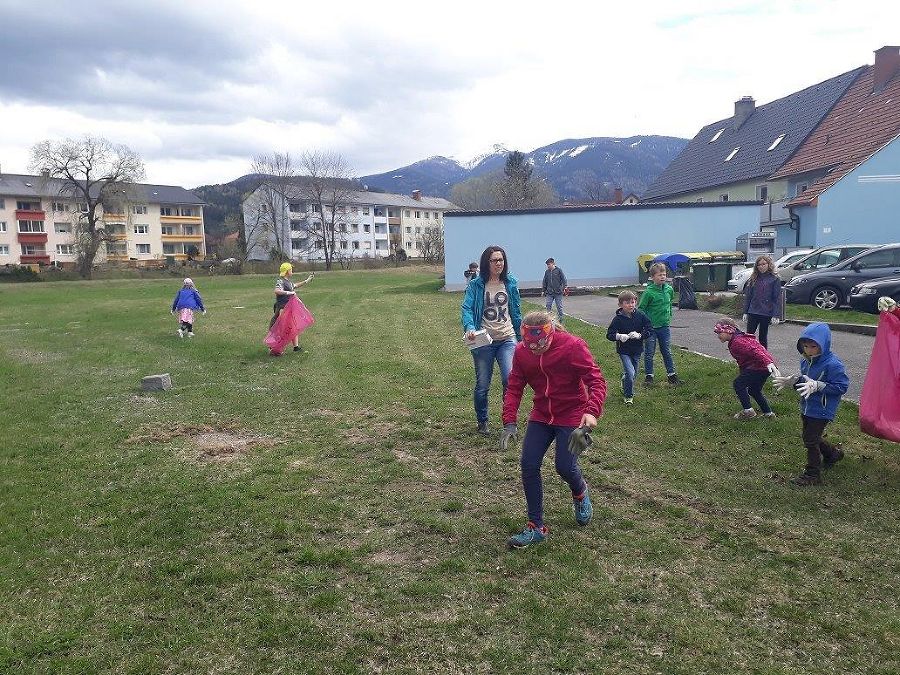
[364, 530]
[810, 313]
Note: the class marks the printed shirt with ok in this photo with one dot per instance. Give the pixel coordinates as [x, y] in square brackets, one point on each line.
[495, 316]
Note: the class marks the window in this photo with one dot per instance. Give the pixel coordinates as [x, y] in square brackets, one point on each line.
[139, 210]
[365, 210]
[367, 245]
[716, 135]
[4, 249]
[355, 244]
[822, 260]
[801, 187]
[428, 215]
[418, 245]
[141, 229]
[723, 198]
[2, 203]
[28, 206]
[367, 228]
[877, 259]
[296, 226]
[762, 192]
[187, 212]
[732, 154]
[319, 243]
[62, 228]
[169, 249]
[392, 213]
[342, 227]
[142, 249]
[341, 208]
[294, 207]
[344, 245]
[60, 207]
[354, 228]
[82, 207]
[188, 230]
[418, 230]
[116, 248]
[354, 209]
[33, 249]
[65, 249]
[775, 143]
[418, 214]
[31, 226]
[3, 227]
[436, 214]
[407, 213]
[168, 229]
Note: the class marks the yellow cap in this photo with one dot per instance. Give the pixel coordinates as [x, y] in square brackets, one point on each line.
[285, 268]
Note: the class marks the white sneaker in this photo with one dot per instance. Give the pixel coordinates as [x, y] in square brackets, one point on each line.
[190, 334]
[180, 333]
[629, 401]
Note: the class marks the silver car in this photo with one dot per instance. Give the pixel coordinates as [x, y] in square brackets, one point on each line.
[819, 259]
[737, 283]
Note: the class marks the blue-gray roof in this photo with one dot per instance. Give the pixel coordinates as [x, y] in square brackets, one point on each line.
[22, 185]
[701, 165]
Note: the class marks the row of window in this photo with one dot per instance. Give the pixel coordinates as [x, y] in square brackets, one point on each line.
[137, 209]
[40, 249]
[303, 207]
[28, 226]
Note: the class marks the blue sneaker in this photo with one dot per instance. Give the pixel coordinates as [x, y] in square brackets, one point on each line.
[583, 509]
[530, 535]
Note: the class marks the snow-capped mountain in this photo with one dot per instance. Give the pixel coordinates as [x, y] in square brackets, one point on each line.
[572, 166]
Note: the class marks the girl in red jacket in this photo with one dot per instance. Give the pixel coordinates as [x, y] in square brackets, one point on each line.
[569, 391]
[755, 363]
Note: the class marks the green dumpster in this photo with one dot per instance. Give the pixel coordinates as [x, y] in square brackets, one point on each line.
[643, 262]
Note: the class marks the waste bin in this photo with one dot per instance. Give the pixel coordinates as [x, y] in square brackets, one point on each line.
[712, 276]
[687, 299]
[643, 262]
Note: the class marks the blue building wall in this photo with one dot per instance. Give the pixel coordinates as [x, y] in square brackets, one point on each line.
[808, 217]
[594, 246]
[864, 206]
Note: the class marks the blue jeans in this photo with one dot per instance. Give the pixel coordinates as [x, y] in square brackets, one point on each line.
[664, 336]
[630, 365]
[558, 300]
[484, 357]
[538, 437]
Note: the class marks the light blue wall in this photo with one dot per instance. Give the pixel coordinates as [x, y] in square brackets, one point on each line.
[808, 217]
[593, 247]
[864, 206]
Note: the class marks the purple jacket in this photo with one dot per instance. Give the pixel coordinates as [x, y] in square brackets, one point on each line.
[764, 296]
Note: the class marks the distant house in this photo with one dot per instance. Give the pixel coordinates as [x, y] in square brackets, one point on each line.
[843, 182]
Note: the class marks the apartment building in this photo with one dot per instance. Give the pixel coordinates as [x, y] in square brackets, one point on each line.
[150, 222]
[370, 223]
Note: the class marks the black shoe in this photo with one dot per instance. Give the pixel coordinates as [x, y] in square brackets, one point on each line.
[648, 381]
[298, 349]
[806, 479]
[829, 462]
[483, 428]
[673, 380]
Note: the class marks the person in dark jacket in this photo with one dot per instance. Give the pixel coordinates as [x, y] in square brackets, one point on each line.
[821, 383]
[755, 364]
[629, 328]
[762, 299]
[554, 286]
[569, 391]
[186, 301]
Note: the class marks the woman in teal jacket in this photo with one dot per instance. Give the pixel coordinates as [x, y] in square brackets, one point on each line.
[491, 303]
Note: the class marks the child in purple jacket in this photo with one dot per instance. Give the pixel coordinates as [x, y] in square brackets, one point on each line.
[755, 364]
[186, 301]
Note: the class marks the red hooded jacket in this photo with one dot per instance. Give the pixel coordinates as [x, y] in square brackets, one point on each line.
[566, 381]
[749, 354]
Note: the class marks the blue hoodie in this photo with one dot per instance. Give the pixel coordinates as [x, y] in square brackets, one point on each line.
[826, 367]
[187, 298]
[473, 305]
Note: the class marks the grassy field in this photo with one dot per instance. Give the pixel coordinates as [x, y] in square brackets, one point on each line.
[333, 512]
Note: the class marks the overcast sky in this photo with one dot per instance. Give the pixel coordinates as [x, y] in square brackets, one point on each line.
[198, 87]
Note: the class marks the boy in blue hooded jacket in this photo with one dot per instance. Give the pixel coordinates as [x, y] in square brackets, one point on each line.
[821, 383]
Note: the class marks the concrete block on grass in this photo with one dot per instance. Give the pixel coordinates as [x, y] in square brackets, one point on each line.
[156, 382]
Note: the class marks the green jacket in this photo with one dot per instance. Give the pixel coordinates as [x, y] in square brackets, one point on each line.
[656, 302]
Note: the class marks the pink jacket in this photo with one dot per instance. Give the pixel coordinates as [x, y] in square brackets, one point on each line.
[749, 354]
[566, 381]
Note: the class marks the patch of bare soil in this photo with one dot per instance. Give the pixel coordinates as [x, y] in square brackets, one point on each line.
[223, 443]
[31, 357]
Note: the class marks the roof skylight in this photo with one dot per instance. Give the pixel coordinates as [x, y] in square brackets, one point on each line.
[732, 154]
[775, 143]
[716, 136]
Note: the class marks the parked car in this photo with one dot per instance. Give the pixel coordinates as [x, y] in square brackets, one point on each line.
[820, 258]
[864, 297]
[829, 288]
[739, 280]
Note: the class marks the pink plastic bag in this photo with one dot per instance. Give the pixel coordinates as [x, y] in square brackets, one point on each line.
[879, 403]
[293, 320]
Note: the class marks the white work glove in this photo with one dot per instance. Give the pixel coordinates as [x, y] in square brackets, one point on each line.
[634, 335]
[810, 387]
[775, 321]
[782, 381]
[773, 370]
[622, 337]
[204, 312]
[886, 304]
[744, 318]
[510, 432]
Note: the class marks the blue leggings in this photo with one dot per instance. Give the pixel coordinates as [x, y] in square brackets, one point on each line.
[538, 437]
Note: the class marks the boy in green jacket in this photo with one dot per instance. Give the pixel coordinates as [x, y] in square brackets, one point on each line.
[656, 302]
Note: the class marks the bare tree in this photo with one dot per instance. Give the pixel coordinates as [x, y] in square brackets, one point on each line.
[432, 243]
[476, 193]
[328, 186]
[279, 185]
[93, 171]
[588, 185]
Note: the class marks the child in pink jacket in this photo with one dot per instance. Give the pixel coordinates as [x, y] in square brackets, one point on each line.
[755, 364]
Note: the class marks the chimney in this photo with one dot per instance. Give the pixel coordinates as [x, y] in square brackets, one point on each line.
[742, 110]
[417, 195]
[620, 197]
[887, 63]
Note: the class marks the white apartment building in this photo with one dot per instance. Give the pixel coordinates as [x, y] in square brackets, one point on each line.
[154, 222]
[370, 223]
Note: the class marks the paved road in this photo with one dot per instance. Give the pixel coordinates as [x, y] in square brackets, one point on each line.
[692, 329]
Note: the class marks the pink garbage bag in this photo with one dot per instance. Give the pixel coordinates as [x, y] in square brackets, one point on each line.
[879, 403]
[293, 320]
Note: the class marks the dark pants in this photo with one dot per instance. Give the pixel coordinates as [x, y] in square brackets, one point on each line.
[816, 445]
[189, 327]
[750, 383]
[538, 437]
[762, 322]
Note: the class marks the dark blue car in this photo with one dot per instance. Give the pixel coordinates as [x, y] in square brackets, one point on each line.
[864, 298]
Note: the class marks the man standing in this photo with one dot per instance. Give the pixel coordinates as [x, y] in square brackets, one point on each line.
[554, 286]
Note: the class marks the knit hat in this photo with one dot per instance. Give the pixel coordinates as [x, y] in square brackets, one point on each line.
[188, 281]
[285, 268]
[725, 328]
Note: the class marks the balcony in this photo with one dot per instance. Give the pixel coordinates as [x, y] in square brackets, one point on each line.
[37, 259]
[393, 221]
[774, 213]
[381, 235]
[381, 220]
[114, 217]
[32, 237]
[192, 238]
[180, 219]
[29, 214]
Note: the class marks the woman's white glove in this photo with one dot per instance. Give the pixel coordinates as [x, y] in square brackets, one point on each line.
[886, 304]
[775, 321]
[622, 337]
[782, 381]
[634, 335]
[810, 387]
[773, 370]
[744, 318]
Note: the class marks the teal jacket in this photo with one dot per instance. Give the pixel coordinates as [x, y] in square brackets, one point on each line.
[473, 305]
[656, 302]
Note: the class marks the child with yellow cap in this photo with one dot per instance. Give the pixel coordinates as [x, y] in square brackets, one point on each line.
[284, 289]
